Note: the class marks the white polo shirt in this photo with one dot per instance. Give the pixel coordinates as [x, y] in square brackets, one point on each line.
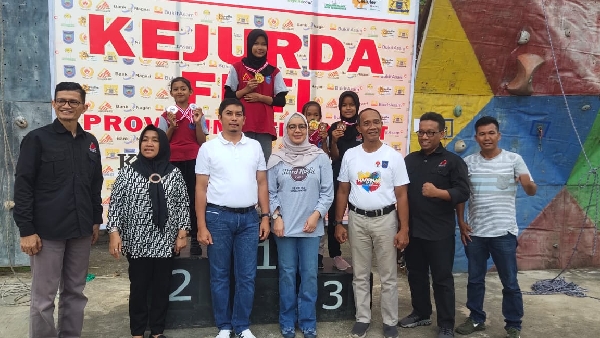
[232, 171]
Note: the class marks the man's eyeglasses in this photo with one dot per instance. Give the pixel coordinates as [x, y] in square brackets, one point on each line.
[72, 103]
[428, 133]
[297, 126]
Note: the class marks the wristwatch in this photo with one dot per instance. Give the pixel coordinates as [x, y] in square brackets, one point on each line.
[275, 215]
[264, 215]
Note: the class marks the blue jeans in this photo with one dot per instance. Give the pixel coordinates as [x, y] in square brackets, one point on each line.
[503, 250]
[234, 235]
[297, 254]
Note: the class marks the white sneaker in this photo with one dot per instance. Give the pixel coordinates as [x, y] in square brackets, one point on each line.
[245, 334]
[224, 334]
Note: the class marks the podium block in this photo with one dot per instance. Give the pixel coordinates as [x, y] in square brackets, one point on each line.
[191, 304]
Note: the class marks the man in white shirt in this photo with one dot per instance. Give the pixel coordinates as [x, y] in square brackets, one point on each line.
[491, 228]
[373, 180]
[231, 178]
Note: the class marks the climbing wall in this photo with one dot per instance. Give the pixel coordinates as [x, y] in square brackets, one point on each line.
[492, 57]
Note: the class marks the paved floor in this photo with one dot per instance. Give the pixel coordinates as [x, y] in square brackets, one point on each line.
[545, 316]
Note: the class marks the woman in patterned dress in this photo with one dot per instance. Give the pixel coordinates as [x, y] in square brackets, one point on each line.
[148, 221]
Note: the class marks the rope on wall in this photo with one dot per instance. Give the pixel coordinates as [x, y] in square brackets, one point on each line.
[558, 284]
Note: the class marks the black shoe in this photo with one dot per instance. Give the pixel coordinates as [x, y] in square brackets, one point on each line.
[195, 248]
[320, 262]
[414, 320]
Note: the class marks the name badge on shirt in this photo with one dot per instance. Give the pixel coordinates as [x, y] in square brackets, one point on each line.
[384, 164]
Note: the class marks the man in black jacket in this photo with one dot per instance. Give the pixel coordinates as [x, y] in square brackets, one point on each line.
[58, 211]
[438, 182]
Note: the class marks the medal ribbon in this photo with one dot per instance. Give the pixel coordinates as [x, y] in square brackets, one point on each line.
[256, 71]
[188, 113]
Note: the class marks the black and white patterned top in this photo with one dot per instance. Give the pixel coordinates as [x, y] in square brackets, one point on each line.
[130, 211]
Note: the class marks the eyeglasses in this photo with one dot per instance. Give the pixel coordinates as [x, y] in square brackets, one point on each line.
[297, 126]
[428, 133]
[72, 103]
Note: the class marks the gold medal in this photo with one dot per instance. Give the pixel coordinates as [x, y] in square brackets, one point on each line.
[341, 126]
[259, 77]
[313, 124]
[323, 126]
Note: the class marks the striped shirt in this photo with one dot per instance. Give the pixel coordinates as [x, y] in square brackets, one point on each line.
[493, 187]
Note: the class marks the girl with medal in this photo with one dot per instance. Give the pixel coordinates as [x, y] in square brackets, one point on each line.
[259, 86]
[343, 135]
[186, 130]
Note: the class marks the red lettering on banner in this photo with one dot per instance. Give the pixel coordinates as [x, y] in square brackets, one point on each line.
[225, 43]
[151, 39]
[116, 123]
[303, 94]
[287, 52]
[383, 129]
[217, 127]
[112, 123]
[372, 61]
[366, 54]
[201, 44]
[194, 77]
[99, 36]
[315, 55]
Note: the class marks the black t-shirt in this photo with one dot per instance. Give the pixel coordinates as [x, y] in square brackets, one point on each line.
[351, 139]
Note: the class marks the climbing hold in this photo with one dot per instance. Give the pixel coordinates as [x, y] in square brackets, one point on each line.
[527, 64]
[586, 107]
[457, 111]
[524, 37]
[567, 32]
[21, 122]
[460, 146]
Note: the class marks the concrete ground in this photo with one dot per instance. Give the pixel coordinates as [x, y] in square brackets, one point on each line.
[106, 314]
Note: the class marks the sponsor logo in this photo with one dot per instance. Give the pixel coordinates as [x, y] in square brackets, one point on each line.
[401, 62]
[206, 16]
[85, 4]
[372, 5]
[103, 7]
[128, 90]
[82, 21]
[110, 57]
[397, 118]
[130, 151]
[107, 171]
[288, 25]
[291, 72]
[68, 4]
[145, 62]
[290, 100]
[259, 21]
[158, 10]
[399, 90]
[105, 107]
[399, 6]
[145, 92]
[242, 19]
[68, 37]
[396, 145]
[90, 89]
[334, 5]
[106, 201]
[333, 75]
[386, 33]
[273, 23]
[69, 71]
[224, 18]
[162, 63]
[162, 94]
[128, 61]
[108, 184]
[384, 90]
[403, 33]
[86, 72]
[332, 103]
[110, 89]
[83, 38]
[106, 139]
[90, 105]
[129, 27]
[104, 75]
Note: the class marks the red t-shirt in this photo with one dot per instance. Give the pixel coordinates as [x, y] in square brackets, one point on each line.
[260, 117]
[184, 145]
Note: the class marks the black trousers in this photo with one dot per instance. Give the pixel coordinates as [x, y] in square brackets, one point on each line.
[332, 244]
[438, 256]
[188, 170]
[149, 277]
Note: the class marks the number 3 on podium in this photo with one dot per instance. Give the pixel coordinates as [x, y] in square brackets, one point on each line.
[335, 294]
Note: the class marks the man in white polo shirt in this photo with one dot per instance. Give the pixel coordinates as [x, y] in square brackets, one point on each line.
[373, 179]
[231, 178]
